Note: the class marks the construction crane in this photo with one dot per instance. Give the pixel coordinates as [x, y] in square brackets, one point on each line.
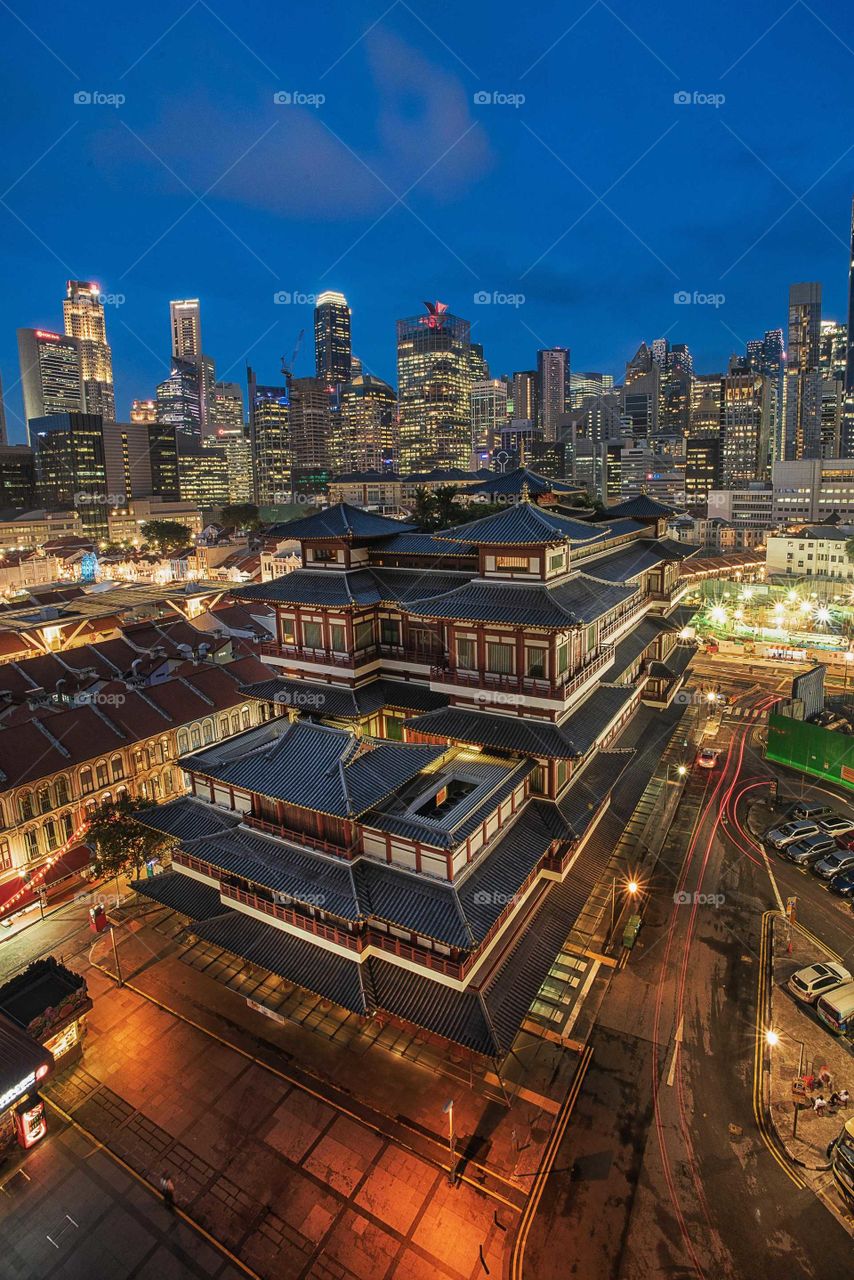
[288, 365]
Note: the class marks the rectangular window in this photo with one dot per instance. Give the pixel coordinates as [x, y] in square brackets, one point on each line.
[512, 562]
[101, 774]
[5, 855]
[324, 555]
[390, 631]
[286, 623]
[466, 654]
[556, 561]
[500, 658]
[591, 637]
[31, 840]
[312, 635]
[364, 634]
[562, 658]
[535, 662]
[338, 637]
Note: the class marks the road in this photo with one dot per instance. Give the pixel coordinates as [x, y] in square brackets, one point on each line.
[662, 1169]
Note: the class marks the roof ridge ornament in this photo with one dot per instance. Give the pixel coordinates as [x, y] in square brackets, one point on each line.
[525, 492]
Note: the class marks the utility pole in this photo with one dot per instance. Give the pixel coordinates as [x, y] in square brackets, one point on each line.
[119, 978]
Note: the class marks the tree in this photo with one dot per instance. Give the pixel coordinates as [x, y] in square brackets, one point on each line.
[849, 548]
[423, 511]
[166, 535]
[240, 515]
[122, 844]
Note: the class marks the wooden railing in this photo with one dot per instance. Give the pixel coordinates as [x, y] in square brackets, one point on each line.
[300, 837]
[535, 686]
[325, 657]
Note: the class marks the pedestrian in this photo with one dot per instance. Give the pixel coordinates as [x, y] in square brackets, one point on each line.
[843, 1097]
[819, 1105]
[167, 1189]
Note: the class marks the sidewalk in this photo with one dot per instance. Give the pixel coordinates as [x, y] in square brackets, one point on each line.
[803, 1038]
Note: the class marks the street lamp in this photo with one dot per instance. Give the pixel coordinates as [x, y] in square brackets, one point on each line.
[448, 1110]
[632, 888]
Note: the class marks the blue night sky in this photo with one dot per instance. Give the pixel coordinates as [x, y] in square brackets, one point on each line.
[597, 198]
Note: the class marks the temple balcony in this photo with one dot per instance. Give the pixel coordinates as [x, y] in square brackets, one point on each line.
[559, 689]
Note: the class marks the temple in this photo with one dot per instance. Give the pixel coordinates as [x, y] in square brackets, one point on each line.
[407, 832]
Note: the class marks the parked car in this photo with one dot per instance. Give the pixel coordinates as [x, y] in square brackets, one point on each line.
[845, 842]
[805, 853]
[708, 758]
[837, 825]
[811, 811]
[833, 864]
[789, 833]
[836, 1010]
[817, 980]
[843, 884]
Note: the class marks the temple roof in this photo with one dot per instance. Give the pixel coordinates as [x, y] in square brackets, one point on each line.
[580, 599]
[341, 702]
[642, 505]
[523, 524]
[333, 588]
[343, 521]
[512, 482]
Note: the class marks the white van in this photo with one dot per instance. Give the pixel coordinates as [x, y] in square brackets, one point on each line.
[836, 1010]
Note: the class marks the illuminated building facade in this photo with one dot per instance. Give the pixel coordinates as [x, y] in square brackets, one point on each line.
[332, 340]
[186, 324]
[83, 316]
[71, 469]
[488, 402]
[310, 434]
[270, 441]
[51, 379]
[367, 426]
[203, 475]
[434, 382]
[143, 411]
[179, 401]
[234, 443]
[745, 429]
[552, 387]
[802, 385]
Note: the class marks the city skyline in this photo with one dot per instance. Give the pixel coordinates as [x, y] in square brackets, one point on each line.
[598, 275]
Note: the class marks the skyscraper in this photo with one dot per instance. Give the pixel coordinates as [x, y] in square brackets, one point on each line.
[433, 378]
[70, 467]
[233, 441]
[226, 408]
[332, 345]
[269, 434]
[310, 435]
[186, 323]
[802, 386]
[641, 388]
[179, 401]
[127, 459]
[83, 316]
[768, 357]
[552, 387]
[744, 434]
[143, 411]
[488, 402]
[588, 384]
[366, 436]
[51, 380]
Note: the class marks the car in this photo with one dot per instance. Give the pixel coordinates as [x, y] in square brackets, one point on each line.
[843, 884]
[708, 758]
[811, 812]
[806, 852]
[845, 842]
[789, 833]
[837, 825]
[833, 864]
[817, 980]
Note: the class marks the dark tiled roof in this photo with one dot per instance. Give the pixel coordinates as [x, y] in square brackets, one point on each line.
[584, 725]
[314, 766]
[415, 584]
[497, 877]
[540, 739]
[583, 798]
[339, 702]
[576, 601]
[455, 1015]
[626, 562]
[187, 819]
[343, 521]
[427, 907]
[424, 544]
[301, 962]
[511, 482]
[676, 662]
[187, 896]
[321, 587]
[634, 644]
[642, 506]
[523, 524]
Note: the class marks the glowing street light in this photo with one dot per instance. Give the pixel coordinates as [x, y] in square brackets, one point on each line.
[822, 615]
[771, 1038]
[806, 607]
[718, 614]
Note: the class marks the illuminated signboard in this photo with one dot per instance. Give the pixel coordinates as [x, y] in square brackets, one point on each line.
[45, 333]
[12, 1095]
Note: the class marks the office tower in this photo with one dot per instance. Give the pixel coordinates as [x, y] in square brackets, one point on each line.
[526, 400]
[17, 477]
[310, 435]
[488, 401]
[588, 384]
[179, 401]
[833, 349]
[833, 357]
[186, 324]
[269, 436]
[203, 475]
[143, 411]
[641, 389]
[433, 378]
[658, 352]
[367, 426]
[676, 374]
[355, 368]
[83, 316]
[702, 467]
[226, 408]
[767, 356]
[552, 382]
[163, 452]
[332, 343]
[234, 443]
[802, 385]
[744, 433]
[127, 459]
[705, 417]
[70, 467]
[478, 368]
[51, 380]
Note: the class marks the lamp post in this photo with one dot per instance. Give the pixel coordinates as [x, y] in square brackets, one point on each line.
[632, 889]
[452, 1141]
[119, 978]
